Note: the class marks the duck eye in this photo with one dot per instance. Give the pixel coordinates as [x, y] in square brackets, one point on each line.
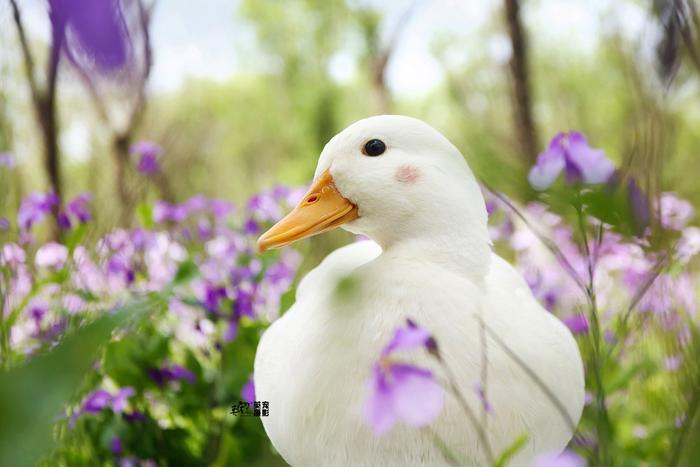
[374, 147]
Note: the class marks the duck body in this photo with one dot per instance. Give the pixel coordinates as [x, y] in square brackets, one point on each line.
[313, 362]
[405, 186]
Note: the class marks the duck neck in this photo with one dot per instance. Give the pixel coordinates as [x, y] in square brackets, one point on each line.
[461, 247]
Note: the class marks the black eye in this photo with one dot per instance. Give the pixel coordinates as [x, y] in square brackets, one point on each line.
[374, 147]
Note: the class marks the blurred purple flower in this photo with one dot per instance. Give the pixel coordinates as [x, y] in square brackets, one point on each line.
[148, 154]
[116, 446]
[4, 223]
[564, 459]
[63, 221]
[51, 255]
[166, 212]
[570, 152]
[212, 296]
[264, 206]
[248, 391]
[577, 324]
[251, 227]
[400, 391]
[410, 337]
[97, 401]
[34, 207]
[95, 31]
[231, 330]
[170, 373]
[221, 208]
[178, 372]
[674, 212]
[80, 207]
[121, 398]
[639, 207]
[12, 254]
[7, 160]
[689, 244]
[673, 362]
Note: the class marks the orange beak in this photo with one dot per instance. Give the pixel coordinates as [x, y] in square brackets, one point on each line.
[323, 208]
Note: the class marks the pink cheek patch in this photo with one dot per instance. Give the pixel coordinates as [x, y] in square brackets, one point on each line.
[407, 174]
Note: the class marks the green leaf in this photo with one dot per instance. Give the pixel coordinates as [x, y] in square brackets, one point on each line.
[144, 213]
[32, 396]
[511, 451]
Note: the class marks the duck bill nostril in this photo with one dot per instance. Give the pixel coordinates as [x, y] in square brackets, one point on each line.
[323, 208]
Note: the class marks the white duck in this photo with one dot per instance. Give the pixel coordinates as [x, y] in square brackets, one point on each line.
[401, 183]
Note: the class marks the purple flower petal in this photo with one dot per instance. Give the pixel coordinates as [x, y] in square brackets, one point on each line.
[564, 459]
[121, 398]
[51, 255]
[97, 401]
[95, 31]
[248, 391]
[7, 160]
[407, 338]
[549, 164]
[180, 372]
[80, 207]
[116, 446]
[594, 167]
[378, 408]
[577, 324]
[416, 397]
[231, 331]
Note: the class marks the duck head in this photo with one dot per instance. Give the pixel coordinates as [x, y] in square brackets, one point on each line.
[394, 179]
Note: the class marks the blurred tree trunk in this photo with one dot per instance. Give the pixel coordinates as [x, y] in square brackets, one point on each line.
[378, 56]
[44, 100]
[520, 80]
[122, 138]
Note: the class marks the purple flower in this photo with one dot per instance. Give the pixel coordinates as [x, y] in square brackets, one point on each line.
[148, 154]
[63, 221]
[400, 391]
[97, 401]
[164, 212]
[178, 372]
[116, 446]
[673, 362]
[231, 330]
[407, 338]
[577, 324]
[95, 31]
[170, 373]
[564, 459]
[80, 207]
[221, 208]
[264, 207]
[674, 212]
[121, 398]
[248, 391]
[212, 296]
[688, 245]
[251, 227]
[4, 223]
[570, 152]
[7, 160]
[34, 207]
[12, 254]
[51, 255]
